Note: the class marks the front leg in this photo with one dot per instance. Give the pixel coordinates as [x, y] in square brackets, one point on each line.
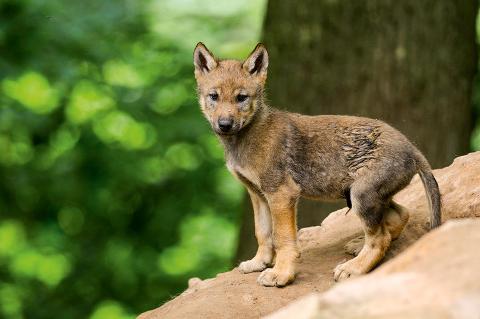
[282, 206]
[263, 233]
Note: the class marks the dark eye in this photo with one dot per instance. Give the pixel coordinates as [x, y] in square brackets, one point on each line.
[242, 98]
[213, 96]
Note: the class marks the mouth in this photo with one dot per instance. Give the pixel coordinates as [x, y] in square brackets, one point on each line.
[229, 133]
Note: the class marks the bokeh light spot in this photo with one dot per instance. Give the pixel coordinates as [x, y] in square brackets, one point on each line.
[61, 142]
[184, 156]
[110, 309]
[25, 263]
[87, 100]
[52, 269]
[12, 237]
[47, 268]
[202, 237]
[169, 98]
[209, 233]
[178, 260]
[15, 148]
[227, 186]
[121, 128]
[33, 91]
[119, 73]
[213, 146]
[155, 169]
[10, 301]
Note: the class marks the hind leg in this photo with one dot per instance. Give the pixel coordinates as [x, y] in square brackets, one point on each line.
[354, 246]
[370, 207]
[395, 218]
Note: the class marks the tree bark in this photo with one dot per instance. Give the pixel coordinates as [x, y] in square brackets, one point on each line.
[410, 63]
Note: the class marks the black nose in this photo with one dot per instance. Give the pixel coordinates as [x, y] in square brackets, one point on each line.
[225, 125]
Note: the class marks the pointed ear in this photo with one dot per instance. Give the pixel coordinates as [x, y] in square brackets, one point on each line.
[257, 61]
[203, 59]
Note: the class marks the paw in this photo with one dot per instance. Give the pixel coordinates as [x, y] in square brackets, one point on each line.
[347, 270]
[252, 265]
[354, 246]
[275, 278]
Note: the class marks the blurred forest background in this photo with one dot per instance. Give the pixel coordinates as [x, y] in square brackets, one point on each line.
[113, 190]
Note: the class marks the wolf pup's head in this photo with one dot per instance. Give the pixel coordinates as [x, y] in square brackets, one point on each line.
[230, 91]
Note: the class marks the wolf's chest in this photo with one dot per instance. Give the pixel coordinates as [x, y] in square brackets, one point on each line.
[247, 175]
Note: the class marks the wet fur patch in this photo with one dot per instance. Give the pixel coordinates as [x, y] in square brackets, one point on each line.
[360, 146]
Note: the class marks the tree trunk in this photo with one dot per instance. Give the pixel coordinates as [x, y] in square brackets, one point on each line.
[410, 63]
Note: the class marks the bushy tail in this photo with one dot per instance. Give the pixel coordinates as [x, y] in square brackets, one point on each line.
[433, 194]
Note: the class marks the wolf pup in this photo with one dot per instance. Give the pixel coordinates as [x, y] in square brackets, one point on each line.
[281, 156]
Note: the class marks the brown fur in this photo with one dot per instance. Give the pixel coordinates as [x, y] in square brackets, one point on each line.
[281, 156]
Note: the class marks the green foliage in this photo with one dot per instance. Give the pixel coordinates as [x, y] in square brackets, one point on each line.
[113, 190]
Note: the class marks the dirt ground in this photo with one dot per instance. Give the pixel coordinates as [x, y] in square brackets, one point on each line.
[235, 295]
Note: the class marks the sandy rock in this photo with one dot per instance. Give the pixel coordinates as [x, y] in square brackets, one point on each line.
[437, 277]
[235, 295]
[192, 282]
